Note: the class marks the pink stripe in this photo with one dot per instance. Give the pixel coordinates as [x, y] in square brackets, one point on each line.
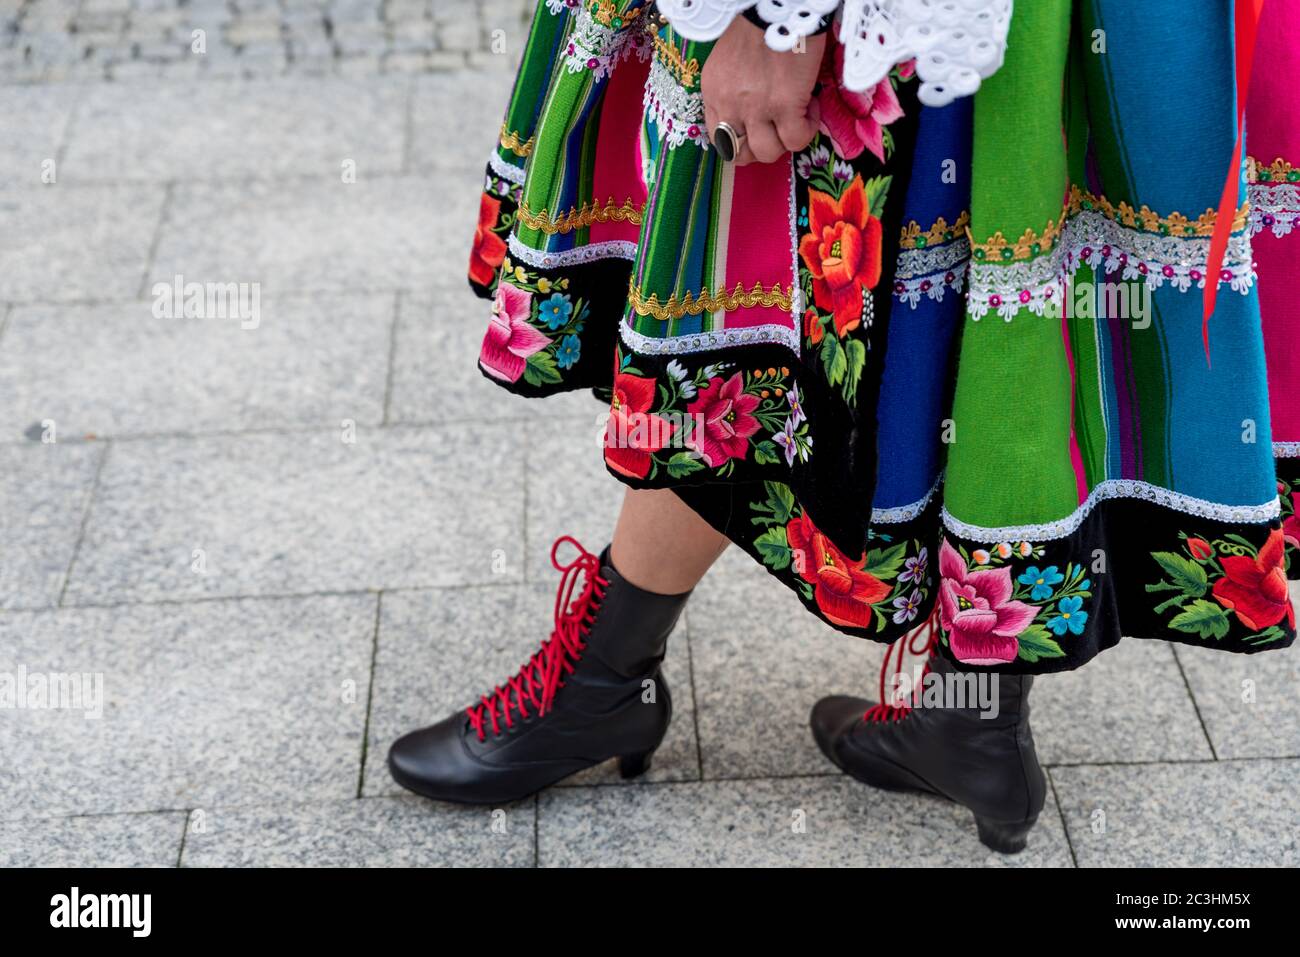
[759, 214]
[617, 170]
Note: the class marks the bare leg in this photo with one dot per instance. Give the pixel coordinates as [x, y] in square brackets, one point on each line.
[660, 544]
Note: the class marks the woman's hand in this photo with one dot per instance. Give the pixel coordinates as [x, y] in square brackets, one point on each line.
[762, 93]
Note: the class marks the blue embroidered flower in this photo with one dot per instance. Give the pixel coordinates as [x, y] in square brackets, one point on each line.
[555, 312]
[1070, 617]
[1042, 583]
[566, 354]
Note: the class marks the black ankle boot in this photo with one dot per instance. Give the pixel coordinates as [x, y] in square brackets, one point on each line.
[593, 692]
[987, 764]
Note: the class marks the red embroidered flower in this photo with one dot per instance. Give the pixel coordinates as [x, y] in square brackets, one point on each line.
[976, 610]
[1200, 548]
[1255, 588]
[632, 434]
[842, 251]
[489, 249]
[842, 590]
[723, 411]
[855, 121]
[812, 326]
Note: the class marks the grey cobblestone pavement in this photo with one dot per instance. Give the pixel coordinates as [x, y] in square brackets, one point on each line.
[281, 546]
[71, 40]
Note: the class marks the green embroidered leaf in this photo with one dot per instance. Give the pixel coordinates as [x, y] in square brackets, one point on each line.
[834, 362]
[780, 500]
[1186, 574]
[765, 452]
[774, 549]
[1203, 618]
[540, 369]
[855, 352]
[1036, 642]
[884, 563]
[877, 190]
[683, 464]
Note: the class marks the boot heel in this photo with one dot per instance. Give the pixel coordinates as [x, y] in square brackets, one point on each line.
[1003, 837]
[634, 765]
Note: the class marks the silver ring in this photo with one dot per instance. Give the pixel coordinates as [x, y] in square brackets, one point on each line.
[727, 141]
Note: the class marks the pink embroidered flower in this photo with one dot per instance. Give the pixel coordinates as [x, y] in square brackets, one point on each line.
[976, 610]
[855, 121]
[723, 409]
[510, 338]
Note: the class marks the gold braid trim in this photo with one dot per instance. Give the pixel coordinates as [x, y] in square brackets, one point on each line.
[581, 216]
[692, 305]
[511, 141]
[1031, 244]
[916, 238]
[687, 72]
[1279, 171]
[607, 13]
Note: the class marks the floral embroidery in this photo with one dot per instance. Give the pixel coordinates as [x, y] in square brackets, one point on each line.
[856, 121]
[1290, 500]
[1248, 582]
[714, 417]
[842, 255]
[885, 585]
[991, 615]
[489, 249]
[534, 330]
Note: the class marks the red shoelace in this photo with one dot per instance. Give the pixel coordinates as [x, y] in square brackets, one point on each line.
[920, 643]
[537, 682]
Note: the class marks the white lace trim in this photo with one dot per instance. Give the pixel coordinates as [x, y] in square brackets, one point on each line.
[905, 513]
[1274, 207]
[596, 47]
[932, 286]
[1114, 489]
[559, 258]
[787, 20]
[507, 171]
[956, 43]
[1286, 450]
[678, 114]
[699, 341]
[796, 287]
[1093, 239]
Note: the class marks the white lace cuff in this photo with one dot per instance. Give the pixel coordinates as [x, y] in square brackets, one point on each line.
[956, 43]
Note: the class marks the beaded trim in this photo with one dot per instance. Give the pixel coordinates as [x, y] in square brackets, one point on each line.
[1286, 450]
[692, 305]
[599, 41]
[697, 342]
[1275, 208]
[1082, 203]
[507, 171]
[677, 112]
[914, 238]
[1093, 239]
[581, 217]
[905, 513]
[933, 286]
[560, 258]
[510, 140]
[1114, 489]
[1279, 171]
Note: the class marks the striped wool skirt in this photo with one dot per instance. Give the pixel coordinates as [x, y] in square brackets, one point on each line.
[948, 361]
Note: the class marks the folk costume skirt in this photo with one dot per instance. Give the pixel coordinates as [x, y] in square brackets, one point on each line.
[943, 361]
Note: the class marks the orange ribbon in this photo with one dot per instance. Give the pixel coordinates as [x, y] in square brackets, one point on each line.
[1247, 21]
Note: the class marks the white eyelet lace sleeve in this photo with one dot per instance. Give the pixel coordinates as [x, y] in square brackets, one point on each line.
[787, 20]
[956, 43]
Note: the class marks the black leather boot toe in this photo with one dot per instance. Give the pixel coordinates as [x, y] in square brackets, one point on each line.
[594, 691]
